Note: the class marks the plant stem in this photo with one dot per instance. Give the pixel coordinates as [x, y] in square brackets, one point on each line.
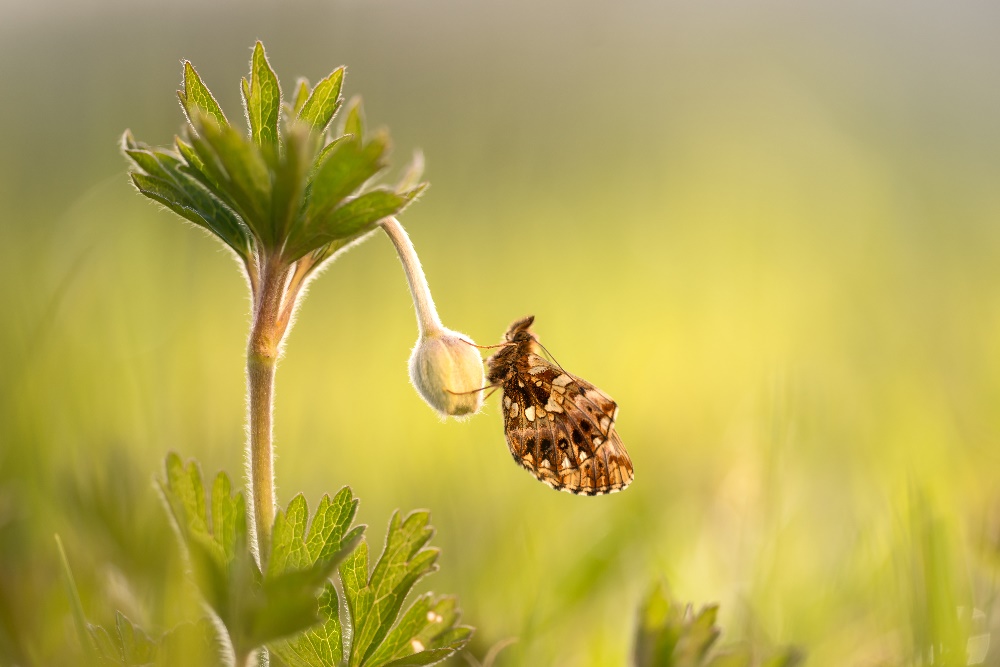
[263, 350]
[427, 317]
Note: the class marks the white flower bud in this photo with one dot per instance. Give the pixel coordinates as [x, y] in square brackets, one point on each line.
[447, 372]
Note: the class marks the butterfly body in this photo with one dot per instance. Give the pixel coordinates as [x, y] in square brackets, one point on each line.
[558, 426]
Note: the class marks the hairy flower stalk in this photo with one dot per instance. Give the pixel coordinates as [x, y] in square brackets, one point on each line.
[445, 366]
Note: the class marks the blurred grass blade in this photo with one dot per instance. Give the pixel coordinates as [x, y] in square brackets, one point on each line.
[79, 618]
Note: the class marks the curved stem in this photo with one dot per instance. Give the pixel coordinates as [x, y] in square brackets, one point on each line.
[427, 317]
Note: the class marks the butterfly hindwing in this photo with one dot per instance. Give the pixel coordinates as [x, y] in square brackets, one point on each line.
[561, 428]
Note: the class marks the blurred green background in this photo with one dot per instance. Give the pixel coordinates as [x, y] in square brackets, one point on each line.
[769, 230]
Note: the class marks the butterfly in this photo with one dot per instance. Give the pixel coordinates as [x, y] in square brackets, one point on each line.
[559, 427]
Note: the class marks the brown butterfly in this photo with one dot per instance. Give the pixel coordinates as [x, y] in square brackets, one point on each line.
[559, 427]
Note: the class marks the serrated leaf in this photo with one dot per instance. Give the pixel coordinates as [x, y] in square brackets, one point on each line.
[124, 645]
[263, 99]
[424, 635]
[304, 556]
[323, 102]
[427, 633]
[321, 644]
[374, 601]
[196, 97]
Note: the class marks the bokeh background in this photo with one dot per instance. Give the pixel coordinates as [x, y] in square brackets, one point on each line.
[769, 230]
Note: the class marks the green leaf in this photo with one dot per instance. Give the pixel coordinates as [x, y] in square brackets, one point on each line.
[324, 101]
[366, 210]
[196, 97]
[290, 178]
[240, 173]
[262, 98]
[301, 94]
[354, 121]
[374, 601]
[125, 644]
[163, 179]
[427, 633]
[670, 634]
[327, 542]
[347, 167]
[355, 218]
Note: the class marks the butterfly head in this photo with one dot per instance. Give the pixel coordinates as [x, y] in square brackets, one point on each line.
[518, 342]
[520, 330]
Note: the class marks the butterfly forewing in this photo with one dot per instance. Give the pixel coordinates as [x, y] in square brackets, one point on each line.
[559, 427]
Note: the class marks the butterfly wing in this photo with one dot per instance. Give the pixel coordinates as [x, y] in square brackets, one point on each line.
[561, 429]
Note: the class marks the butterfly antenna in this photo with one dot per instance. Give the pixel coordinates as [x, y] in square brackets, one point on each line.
[494, 387]
[551, 356]
[485, 347]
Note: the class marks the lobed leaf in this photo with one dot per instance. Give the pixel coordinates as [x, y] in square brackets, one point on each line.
[125, 645]
[163, 178]
[371, 636]
[262, 98]
[353, 219]
[374, 601]
[196, 98]
[323, 102]
[304, 555]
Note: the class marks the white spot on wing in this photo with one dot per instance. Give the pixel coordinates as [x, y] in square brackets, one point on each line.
[552, 406]
[514, 409]
[529, 413]
[562, 380]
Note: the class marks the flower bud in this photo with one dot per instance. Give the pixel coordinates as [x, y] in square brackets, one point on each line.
[448, 373]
